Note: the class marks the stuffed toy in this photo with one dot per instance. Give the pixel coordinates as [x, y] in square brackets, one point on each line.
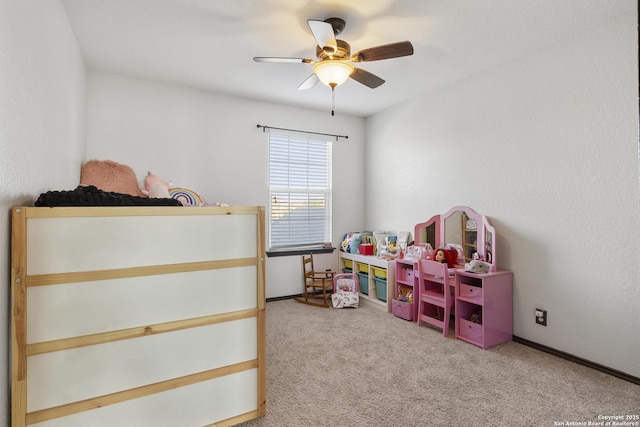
[155, 187]
[477, 266]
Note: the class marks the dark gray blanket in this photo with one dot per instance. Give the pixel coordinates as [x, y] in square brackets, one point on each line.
[92, 196]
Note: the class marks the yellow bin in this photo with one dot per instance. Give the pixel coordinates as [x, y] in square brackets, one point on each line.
[380, 272]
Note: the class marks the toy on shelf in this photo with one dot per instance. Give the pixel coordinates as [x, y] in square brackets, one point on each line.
[476, 317]
[421, 251]
[185, 196]
[405, 294]
[477, 266]
[155, 187]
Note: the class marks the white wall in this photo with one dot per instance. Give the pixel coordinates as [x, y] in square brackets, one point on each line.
[42, 118]
[210, 143]
[547, 148]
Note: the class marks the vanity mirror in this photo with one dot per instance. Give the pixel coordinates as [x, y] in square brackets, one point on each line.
[460, 227]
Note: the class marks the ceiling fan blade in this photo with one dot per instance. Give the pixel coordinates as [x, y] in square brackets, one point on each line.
[392, 50]
[310, 82]
[366, 78]
[323, 33]
[280, 59]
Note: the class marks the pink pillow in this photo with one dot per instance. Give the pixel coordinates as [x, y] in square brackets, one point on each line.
[111, 176]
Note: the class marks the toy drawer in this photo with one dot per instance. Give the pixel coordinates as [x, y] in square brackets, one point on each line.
[470, 330]
[402, 309]
[406, 274]
[471, 292]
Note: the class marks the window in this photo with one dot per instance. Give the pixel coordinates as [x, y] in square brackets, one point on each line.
[300, 191]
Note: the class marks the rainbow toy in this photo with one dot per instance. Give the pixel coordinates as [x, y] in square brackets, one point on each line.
[185, 196]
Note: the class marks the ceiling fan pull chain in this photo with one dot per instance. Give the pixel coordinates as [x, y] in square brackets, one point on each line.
[333, 98]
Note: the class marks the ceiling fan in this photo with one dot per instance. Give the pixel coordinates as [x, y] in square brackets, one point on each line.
[334, 64]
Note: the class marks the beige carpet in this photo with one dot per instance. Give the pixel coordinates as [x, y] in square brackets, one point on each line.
[365, 367]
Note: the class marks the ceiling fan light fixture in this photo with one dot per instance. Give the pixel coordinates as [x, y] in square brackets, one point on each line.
[333, 73]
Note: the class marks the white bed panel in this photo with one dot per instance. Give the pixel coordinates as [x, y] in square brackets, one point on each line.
[76, 309]
[195, 405]
[59, 244]
[71, 375]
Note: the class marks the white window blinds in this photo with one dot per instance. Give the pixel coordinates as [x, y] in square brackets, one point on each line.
[300, 191]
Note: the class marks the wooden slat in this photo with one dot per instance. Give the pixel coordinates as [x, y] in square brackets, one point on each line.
[137, 332]
[111, 211]
[134, 393]
[121, 273]
[233, 421]
[18, 317]
[262, 345]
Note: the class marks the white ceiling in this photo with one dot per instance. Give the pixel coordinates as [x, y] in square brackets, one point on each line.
[209, 44]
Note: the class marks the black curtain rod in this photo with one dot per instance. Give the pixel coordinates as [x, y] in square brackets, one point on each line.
[304, 131]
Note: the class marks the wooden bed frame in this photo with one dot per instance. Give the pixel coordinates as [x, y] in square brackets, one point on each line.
[137, 316]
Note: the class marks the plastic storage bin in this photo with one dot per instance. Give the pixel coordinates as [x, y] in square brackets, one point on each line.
[380, 272]
[364, 283]
[363, 268]
[381, 288]
[348, 263]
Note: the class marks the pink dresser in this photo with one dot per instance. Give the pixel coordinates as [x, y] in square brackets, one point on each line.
[483, 310]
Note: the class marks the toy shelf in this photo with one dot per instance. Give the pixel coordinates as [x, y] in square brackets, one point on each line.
[376, 275]
[405, 279]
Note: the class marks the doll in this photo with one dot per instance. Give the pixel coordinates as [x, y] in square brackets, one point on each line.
[447, 256]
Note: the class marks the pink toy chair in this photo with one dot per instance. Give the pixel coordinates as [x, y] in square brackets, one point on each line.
[346, 288]
[435, 301]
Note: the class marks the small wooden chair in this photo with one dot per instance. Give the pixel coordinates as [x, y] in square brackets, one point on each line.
[317, 285]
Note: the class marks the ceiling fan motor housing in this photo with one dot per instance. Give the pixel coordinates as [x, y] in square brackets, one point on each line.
[342, 53]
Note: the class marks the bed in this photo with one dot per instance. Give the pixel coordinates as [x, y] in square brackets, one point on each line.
[137, 316]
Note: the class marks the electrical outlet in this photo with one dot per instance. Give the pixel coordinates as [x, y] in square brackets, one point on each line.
[541, 317]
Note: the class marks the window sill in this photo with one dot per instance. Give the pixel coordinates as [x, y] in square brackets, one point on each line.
[292, 252]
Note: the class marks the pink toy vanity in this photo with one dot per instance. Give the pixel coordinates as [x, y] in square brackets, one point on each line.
[483, 312]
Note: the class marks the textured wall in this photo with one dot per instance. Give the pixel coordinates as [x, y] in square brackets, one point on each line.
[42, 115]
[209, 143]
[547, 148]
